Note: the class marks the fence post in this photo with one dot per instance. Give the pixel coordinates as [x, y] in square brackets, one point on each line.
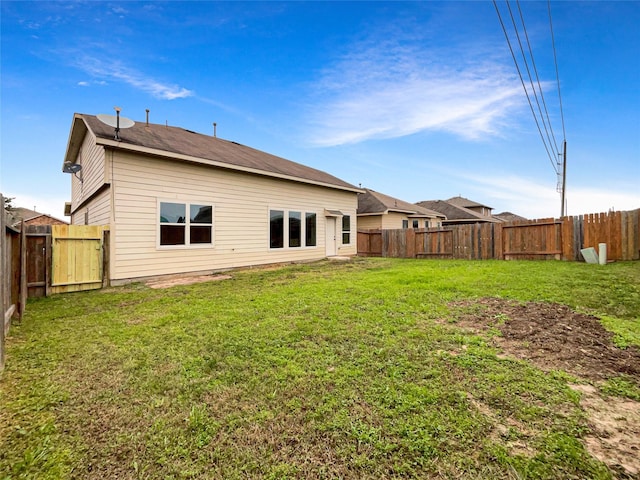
[410, 243]
[106, 249]
[23, 293]
[3, 277]
[499, 249]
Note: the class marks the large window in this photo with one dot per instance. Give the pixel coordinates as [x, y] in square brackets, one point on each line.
[295, 229]
[310, 230]
[290, 227]
[276, 229]
[346, 229]
[178, 228]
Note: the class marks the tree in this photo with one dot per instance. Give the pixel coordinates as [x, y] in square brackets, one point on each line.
[8, 205]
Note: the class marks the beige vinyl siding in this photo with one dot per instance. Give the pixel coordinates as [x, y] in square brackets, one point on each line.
[241, 204]
[92, 159]
[393, 220]
[370, 222]
[96, 212]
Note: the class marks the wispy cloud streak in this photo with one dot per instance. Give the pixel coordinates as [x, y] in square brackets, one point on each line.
[398, 87]
[534, 199]
[114, 70]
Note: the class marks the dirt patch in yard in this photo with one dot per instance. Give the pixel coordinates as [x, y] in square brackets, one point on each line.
[554, 337]
[185, 280]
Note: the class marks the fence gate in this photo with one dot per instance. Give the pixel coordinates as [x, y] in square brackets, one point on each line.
[38, 252]
[77, 257]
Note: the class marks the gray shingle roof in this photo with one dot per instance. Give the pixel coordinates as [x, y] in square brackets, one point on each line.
[372, 202]
[465, 202]
[454, 213]
[509, 217]
[175, 140]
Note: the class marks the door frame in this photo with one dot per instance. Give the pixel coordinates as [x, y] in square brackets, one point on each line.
[331, 237]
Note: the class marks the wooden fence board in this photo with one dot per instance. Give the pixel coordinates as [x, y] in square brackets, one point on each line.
[544, 239]
[434, 243]
[36, 264]
[77, 258]
[635, 229]
[3, 283]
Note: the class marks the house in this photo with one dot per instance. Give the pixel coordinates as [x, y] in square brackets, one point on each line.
[509, 217]
[379, 211]
[476, 207]
[455, 214]
[31, 217]
[180, 202]
[484, 210]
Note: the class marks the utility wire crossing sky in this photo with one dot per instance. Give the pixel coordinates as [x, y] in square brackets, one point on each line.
[417, 100]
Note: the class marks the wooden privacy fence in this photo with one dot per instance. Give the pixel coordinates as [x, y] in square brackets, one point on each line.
[11, 301]
[37, 260]
[546, 239]
[77, 257]
[61, 258]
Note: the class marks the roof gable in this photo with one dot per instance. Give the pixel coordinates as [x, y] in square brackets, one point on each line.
[185, 145]
[463, 202]
[509, 217]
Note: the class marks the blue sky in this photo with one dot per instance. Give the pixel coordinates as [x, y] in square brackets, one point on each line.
[418, 100]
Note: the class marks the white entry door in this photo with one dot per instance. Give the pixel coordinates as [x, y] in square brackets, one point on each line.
[331, 236]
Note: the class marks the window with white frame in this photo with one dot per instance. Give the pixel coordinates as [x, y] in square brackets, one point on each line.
[295, 229]
[346, 229]
[291, 228]
[188, 224]
[310, 229]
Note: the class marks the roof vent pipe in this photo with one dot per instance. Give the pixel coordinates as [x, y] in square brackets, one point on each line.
[214, 130]
[147, 110]
[117, 136]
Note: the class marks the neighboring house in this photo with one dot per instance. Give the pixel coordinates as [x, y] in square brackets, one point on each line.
[476, 207]
[455, 215]
[181, 202]
[379, 211]
[509, 217]
[31, 217]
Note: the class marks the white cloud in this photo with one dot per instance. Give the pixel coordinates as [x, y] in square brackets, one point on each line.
[49, 205]
[117, 71]
[388, 90]
[83, 84]
[533, 199]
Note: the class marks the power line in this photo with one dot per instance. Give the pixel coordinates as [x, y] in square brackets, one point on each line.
[533, 88]
[533, 62]
[555, 59]
[563, 188]
[515, 61]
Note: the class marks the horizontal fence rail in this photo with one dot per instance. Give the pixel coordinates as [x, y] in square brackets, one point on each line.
[543, 239]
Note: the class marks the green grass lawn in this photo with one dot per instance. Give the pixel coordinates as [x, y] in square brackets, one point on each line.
[325, 370]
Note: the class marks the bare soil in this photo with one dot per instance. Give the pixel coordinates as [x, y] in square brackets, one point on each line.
[184, 280]
[554, 337]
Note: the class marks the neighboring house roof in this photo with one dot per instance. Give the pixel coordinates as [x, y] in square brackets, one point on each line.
[465, 202]
[454, 213]
[19, 214]
[375, 203]
[185, 145]
[509, 217]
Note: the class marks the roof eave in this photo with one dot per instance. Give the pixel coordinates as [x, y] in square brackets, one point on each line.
[427, 215]
[78, 131]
